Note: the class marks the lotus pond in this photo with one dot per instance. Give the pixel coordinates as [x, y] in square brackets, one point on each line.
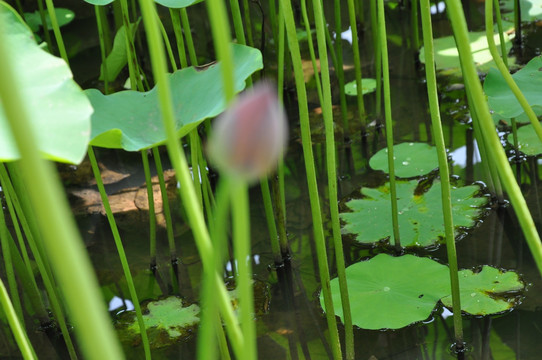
[175, 227]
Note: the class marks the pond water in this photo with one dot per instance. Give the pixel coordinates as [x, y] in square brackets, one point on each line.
[287, 310]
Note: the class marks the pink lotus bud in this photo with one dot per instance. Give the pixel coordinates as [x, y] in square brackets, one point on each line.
[250, 136]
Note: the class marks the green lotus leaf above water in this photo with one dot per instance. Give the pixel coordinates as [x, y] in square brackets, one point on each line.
[57, 107]
[166, 321]
[531, 10]
[447, 56]
[117, 58]
[389, 292]
[177, 4]
[501, 99]
[529, 143]
[63, 17]
[410, 159]
[480, 291]
[367, 86]
[131, 120]
[420, 213]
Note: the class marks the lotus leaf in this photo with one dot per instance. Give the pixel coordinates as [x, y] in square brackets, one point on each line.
[131, 120]
[529, 143]
[481, 291]
[388, 292]
[447, 56]
[63, 17]
[410, 159]
[367, 86]
[166, 321]
[57, 107]
[177, 4]
[420, 214]
[531, 10]
[117, 58]
[521, 119]
[99, 2]
[500, 97]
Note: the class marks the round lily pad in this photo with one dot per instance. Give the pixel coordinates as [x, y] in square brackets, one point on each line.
[166, 321]
[420, 216]
[410, 159]
[367, 86]
[489, 291]
[392, 292]
[529, 143]
[388, 292]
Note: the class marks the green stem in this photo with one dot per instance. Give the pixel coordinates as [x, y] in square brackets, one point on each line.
[165, 204]
[135, 80]
[186, 189]
[497, 153]
[56, 30]
[152, 212]
[332, 179]
[506, 75]
[443, 167]
[357, 59]
[378, 57]
[100, 25]
[389, 122]
[243, 256]
[504, 54]
[15, 324]
[188, 36]
[9, 266]
[270, 217]
[248, 22]
[120, 250]
[337, 57]
[43, 19]
[316, 212]
[64, 246]
[311, 51]
[177, 30]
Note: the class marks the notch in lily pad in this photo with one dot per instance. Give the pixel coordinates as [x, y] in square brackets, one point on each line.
[420, 213]
[410, 159]
[394, 292]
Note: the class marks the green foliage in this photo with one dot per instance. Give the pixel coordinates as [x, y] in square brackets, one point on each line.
[410, 159]
[421, 221]
[99, 2]
[130, 120]
[500, 97]
[367, 86]
[166, 321]
[393, 292]
[529, 143]
[446, 55]
[177, 4]
[59, 110]
[117, 58]
[63, 16]
[531, 10]
[481, 291]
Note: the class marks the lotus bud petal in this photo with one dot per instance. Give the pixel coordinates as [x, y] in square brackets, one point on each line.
[249, 137]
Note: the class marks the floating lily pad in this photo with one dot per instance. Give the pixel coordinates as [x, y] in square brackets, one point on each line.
[99, 2]
[531, 10]
[500, 97]
[529, 143]
[117, 58]
[367, 85]
[483, 293]
[521, 119]
[447, 56]
[410, 159]
[389, 292]
[420, 214]
[57, 107]
[63, 17]
[166, 321]
[132, 121]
